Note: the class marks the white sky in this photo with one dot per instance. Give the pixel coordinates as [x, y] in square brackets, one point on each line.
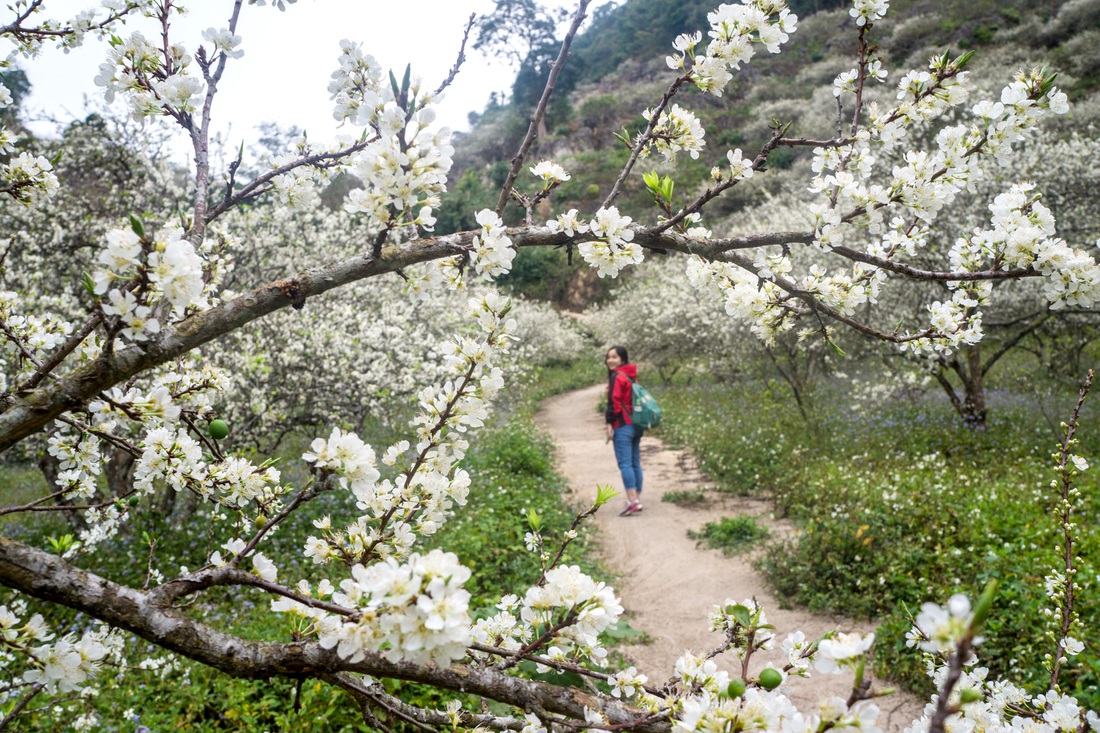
[284, 73]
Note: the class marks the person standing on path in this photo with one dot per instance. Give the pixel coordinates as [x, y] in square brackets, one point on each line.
[620, 429]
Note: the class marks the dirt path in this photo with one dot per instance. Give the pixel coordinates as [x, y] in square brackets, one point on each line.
[668, 586]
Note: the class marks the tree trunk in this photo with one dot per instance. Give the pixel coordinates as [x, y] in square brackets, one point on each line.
[970, 404]
[974, 389]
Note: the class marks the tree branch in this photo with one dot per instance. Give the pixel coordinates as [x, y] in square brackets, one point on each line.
[49, 578]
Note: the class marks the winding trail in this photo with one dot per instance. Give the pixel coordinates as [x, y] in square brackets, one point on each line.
[667, 585]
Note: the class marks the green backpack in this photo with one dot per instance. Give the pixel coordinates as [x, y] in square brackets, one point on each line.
[647, 413]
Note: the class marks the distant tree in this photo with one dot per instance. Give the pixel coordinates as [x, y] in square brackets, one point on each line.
[516, 28]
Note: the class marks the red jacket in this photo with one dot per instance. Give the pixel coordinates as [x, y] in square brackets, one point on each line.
[620, 392]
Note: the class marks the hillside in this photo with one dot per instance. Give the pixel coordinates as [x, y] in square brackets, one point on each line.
[618, 69]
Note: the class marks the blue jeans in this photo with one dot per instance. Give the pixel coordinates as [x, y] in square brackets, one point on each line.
[627, 442]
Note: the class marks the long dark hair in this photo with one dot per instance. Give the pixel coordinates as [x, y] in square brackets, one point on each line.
[621, 351]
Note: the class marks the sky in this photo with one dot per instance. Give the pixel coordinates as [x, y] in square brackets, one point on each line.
[288, 57]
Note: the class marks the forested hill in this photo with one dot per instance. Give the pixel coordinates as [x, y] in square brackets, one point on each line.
[620, 32]
[617, 69]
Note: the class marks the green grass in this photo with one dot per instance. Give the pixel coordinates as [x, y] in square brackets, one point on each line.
[731, 535]
[686, 497]
[899, 503]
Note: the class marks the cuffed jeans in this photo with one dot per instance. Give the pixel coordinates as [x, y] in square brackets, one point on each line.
[627, 442]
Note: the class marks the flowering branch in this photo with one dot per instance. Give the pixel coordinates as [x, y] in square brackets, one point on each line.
[1062, 584]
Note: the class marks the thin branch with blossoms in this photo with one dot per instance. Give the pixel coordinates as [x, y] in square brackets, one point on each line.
[1062, 585]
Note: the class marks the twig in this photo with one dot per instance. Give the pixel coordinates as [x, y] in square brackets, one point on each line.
[461, 57]
[23, 702]
[954, 672]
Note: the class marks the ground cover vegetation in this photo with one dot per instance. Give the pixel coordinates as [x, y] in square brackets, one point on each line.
[907, 493]
[152, 377]
[731, 535]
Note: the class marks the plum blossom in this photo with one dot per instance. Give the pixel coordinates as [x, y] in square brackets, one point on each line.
[492, 251]
[841, 650]
[346, 456]
[940, 628]
[568, 223]
[416, 611]
[868, 11]
[549, 172]
[675, 130]
[224, 41]
[614, 250]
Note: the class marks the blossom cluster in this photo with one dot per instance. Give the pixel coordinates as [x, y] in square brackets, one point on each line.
[409, 605]
[733, 31]
[153, 80]
[981, 702]
[29, 339]
[614, 249]
[744, 295]
[138, 273]
[492, 251]
[589, 607]
[416, 610]
[403, 170]
[676, 129]
[57, 664]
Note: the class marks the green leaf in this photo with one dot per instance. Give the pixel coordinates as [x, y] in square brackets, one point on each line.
[741, 613]
[604, 494]
[405, 83]
[984, 604]
[533, 520]
[60, 545]
[137, 225]
[394, 86]
[667, 184]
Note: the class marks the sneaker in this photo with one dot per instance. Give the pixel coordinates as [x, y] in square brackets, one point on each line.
[632, 509]
[627, 509]
[637, 507]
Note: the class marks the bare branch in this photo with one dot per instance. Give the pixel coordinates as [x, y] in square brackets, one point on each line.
[461, 57]
[540, 110]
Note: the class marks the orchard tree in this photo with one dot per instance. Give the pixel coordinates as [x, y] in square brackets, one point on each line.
[129, 374]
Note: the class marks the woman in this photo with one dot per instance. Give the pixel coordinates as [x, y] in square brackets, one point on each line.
[625, 436]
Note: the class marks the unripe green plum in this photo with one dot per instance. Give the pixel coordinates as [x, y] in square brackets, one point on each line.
[736, 687]
[770, 678]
